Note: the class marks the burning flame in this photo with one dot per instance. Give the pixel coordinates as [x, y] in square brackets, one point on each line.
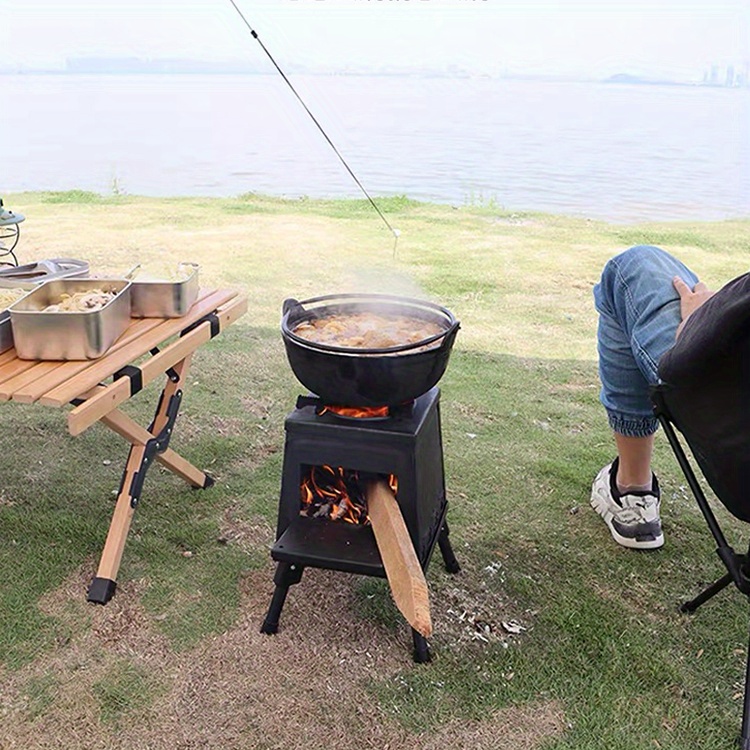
[336, 493]
[363, 412]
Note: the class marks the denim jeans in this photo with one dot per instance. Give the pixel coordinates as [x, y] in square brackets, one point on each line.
[639, 311]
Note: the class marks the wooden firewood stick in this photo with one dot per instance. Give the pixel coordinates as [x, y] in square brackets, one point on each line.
[405, 574]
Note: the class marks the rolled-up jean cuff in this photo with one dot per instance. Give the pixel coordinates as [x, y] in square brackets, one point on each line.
[632, 427]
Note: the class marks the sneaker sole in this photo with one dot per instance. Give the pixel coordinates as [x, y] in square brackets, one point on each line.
[600, 507]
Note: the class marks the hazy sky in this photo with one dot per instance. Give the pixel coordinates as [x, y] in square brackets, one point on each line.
[663, 37]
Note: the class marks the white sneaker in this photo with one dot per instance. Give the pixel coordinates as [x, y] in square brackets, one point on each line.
[632, 518]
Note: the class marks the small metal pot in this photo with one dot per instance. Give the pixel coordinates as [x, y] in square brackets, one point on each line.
[367, 377]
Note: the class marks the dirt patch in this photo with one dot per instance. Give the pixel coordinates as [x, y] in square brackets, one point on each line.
[227, 426]
[257, 408]
[473, 608]
[514, 728]
[249, 536]
[305, 686]
[5, 500]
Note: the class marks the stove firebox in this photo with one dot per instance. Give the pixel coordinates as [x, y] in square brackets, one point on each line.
[406, 446]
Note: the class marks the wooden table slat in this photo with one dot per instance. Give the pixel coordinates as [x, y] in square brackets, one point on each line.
[33, 388]
[13, 368]
[7, 356]
[26, 377]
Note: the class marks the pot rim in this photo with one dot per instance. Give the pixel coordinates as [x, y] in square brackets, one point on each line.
[291, 305]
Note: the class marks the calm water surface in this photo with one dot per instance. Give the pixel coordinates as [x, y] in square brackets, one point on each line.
[608, 151]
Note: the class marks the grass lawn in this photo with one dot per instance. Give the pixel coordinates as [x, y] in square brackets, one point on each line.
[603, 660]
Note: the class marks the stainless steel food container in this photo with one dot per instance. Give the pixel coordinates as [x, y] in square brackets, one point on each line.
[43, 270]
[6, 330]
[164, 299]
[69, 335]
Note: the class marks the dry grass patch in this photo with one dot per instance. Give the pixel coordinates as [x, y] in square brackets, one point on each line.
[249, 535]
[117, 683]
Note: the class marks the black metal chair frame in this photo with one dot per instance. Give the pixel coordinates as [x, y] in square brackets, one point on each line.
[737, 565]
[10, 229]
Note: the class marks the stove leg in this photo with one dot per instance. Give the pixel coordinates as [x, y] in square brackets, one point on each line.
[451, 564]
[286, 575]
[421, 649]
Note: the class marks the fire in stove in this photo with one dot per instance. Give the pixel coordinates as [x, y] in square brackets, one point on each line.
[337, 493]
[361, 412]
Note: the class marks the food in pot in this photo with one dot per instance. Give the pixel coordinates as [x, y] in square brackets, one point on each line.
[9, 296]
[367, 330]
[94, 299]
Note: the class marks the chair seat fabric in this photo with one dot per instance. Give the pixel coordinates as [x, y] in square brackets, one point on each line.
[705, 383]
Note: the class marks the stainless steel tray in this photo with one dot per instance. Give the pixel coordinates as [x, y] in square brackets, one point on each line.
[69, 335]
[43, 270]
[6, 330]
[164, 299]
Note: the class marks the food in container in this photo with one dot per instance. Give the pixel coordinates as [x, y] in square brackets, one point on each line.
[9, 296]
[40, 333]
[368, 330]
[170, 296]
[94, 299]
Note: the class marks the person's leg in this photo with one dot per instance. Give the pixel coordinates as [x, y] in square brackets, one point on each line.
[639, 311]
[634, 466]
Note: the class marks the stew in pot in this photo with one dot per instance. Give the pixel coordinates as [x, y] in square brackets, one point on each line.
[367, 330]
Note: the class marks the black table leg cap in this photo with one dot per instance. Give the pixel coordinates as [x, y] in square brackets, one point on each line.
[208, 481]
[101, 590]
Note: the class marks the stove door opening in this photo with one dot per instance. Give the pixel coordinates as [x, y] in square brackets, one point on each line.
[337, 493]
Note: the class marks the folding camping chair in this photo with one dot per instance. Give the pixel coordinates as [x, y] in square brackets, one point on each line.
[704, 394]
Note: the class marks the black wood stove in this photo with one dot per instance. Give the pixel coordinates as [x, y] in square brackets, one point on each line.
[404, 446]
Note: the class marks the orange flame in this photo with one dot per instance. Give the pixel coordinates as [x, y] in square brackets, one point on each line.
[336, 493]
[363, 412]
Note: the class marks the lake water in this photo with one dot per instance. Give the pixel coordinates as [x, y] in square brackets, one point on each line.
[610, 151]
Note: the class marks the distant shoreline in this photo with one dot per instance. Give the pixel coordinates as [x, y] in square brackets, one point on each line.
[159, 70]
[514, 215]
[611, 80]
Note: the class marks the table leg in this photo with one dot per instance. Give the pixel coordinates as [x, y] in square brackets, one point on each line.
[103, 587]
[124, 426]
[147, 445]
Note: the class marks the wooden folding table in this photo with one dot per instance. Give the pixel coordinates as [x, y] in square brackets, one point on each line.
[96, 388]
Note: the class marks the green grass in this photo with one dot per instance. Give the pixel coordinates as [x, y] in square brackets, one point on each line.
[40, 694]
[523, 436]
[123, 690]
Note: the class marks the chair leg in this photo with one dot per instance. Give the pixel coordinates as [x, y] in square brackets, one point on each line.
[744, 741]
[704, 596]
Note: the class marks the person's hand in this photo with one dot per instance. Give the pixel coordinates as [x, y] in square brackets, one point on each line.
[690, 299]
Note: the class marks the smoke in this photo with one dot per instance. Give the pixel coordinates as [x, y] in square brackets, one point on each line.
[385, 281]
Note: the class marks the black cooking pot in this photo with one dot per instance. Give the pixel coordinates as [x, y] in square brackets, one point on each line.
[346, 376]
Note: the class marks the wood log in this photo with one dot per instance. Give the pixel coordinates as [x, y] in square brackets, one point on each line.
[402, 568]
